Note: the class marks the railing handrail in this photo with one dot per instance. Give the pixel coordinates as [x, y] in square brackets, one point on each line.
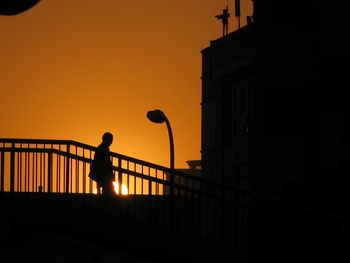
[90, 147]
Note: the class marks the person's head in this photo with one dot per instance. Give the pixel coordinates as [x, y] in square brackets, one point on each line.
[107, 138]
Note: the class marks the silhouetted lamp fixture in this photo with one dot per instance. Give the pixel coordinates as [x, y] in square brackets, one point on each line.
[14, 7]
[157, 116]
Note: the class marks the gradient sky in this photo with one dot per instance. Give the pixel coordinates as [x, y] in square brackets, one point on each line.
[75, 69]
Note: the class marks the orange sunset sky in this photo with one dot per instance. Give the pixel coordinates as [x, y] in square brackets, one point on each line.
[75, 69]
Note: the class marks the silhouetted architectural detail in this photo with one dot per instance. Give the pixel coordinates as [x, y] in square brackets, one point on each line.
[238, 12]
[266, 121]
[195, 167]
[224, 18]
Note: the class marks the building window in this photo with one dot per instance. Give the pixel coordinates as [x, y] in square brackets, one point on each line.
[237, 110]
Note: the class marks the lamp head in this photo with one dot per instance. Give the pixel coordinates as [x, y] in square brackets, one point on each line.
[156, 116]
[14, 7]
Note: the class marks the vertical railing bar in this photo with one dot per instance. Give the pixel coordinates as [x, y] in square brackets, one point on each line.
[84, 173]
[2, 171]
[33, 168]
[62, 171]
[62, 174]
[55, 175]
[44, 171]
[157, 184]
[77, 176]
[16, 169]
[64, 177]
[49, 172]
[52, 189]
[149, 182]
[26, 170]
[120, 176]
[67, 167]
[41, 171]
[134, 179]
[90, 181]
[58, 171]
[142, 179]
[76, 172]
[164, 186]
[18, 181]
[20, 168]
[36, 169]
[12, 168]
[71, 175]
[128, 176]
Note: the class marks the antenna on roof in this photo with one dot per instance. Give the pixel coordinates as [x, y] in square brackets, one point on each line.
[224, 18]
[238, 12]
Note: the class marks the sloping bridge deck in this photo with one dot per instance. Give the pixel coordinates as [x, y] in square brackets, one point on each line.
[167, 215]
[128, 224]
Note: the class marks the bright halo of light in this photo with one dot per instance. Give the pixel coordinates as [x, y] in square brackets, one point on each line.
[124, 188]
[95, 192]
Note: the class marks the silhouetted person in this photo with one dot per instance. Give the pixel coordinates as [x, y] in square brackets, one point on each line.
[101, 170]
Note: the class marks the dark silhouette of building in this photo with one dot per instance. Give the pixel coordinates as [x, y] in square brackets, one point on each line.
[274, 103]
[194, 167]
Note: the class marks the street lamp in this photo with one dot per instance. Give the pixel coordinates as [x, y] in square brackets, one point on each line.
[14, 7]
[157, 116]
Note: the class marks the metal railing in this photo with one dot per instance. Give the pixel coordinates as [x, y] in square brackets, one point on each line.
[186, 202]
[61, 166]
[256, 225]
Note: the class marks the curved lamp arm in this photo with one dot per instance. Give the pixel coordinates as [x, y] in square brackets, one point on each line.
[157, 116]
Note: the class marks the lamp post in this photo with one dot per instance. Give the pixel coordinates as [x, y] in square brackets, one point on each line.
[15, 7]
[157, 116]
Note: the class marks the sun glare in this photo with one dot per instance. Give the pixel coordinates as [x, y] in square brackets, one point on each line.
[116, 189]
[124, 188]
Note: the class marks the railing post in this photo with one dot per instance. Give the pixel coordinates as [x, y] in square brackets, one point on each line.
[172, 200]
[67, 168]
[172, 184]
[149, 183]
[49, 173]
[2, 171]
[12, 168]
[120, 179]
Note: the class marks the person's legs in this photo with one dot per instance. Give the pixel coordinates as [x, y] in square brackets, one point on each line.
[108, 189]
[107, 193]
[98, 188]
